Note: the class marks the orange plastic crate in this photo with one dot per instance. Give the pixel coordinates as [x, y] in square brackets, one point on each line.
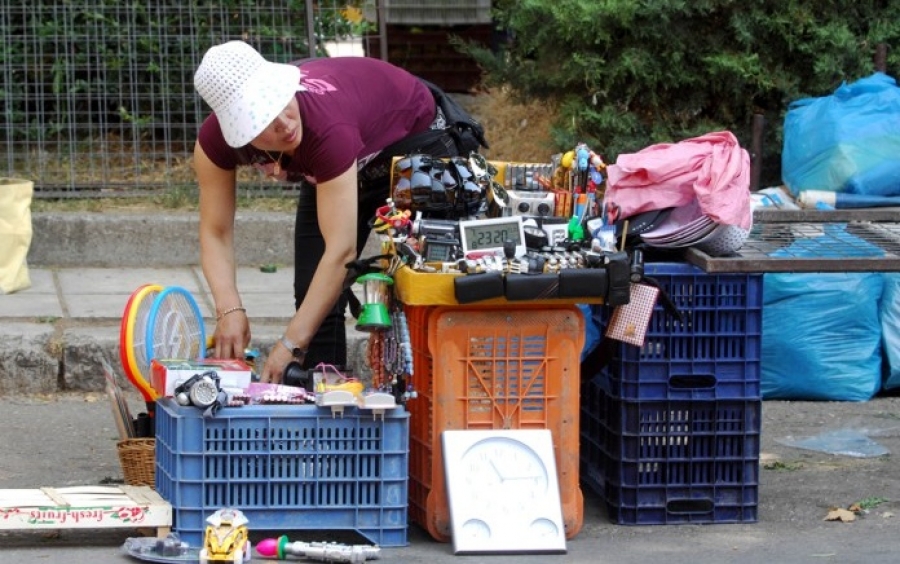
[492, 367]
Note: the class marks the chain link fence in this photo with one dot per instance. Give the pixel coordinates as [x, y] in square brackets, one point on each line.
[98, 96]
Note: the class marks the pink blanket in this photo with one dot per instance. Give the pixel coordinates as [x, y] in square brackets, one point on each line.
[712, 168]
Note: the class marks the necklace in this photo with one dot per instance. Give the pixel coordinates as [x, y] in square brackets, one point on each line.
[276, 170]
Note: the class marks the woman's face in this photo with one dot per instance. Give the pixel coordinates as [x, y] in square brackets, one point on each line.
[284, 133]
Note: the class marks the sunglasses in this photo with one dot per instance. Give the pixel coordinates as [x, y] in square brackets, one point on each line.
[471, 191]
[499, 193]
[424, 189]
[462, 168]
[413, 189]
[481, 168]
[415, 162]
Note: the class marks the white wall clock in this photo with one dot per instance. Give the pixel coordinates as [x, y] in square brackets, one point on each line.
[503, 491]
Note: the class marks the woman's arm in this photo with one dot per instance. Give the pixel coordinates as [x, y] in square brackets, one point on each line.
[217, 209]
[336, 211]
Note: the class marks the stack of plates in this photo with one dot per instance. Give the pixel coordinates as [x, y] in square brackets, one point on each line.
[688, 226]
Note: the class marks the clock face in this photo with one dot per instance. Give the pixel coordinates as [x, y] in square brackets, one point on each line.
[503, 491]
[545, 528]
[476, 529]
[506, 470]
[490, 235]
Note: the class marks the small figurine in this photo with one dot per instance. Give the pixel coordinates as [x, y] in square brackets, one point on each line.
[393, 221]
[321, 551]
[226, 537]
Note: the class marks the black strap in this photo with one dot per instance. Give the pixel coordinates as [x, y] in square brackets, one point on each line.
[664, 298]
[353, 303]
[355, 269]
[599, 358]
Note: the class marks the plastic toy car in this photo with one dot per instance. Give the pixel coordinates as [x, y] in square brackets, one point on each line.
[226, 538]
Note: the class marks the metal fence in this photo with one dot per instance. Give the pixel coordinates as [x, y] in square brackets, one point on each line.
[98, 96]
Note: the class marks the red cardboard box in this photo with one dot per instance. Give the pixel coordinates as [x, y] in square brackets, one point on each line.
[168, 374]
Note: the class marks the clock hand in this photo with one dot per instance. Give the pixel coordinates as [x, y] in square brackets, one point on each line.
[497, 471]
[504, 478]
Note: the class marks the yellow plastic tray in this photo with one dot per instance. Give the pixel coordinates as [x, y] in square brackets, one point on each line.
[426, 288]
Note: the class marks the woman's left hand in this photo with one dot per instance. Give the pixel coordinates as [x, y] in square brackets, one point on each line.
[278, 359]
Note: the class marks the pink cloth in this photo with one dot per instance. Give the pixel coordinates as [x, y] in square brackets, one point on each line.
[712, 168]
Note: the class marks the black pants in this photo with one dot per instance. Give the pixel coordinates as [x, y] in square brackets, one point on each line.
[329, 345]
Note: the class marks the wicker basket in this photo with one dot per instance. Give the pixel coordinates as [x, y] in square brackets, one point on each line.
[138, 459]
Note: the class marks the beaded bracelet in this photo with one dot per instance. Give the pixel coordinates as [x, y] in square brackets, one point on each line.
[232, 310]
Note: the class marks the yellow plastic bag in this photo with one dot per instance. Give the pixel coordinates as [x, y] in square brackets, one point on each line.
[15, 233]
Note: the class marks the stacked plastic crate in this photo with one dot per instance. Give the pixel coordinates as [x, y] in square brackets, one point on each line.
[492, 367]
[288, 468]
[670, 431]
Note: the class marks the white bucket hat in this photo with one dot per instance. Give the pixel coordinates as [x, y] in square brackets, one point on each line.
[245, 91]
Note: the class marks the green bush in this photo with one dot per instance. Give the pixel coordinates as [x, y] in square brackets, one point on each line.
[626, 74]
[76, 69]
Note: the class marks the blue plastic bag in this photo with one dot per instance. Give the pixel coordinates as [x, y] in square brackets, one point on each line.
[890, 329]
[592, 329]
[821, 331]
[821, 336]
[838, 142]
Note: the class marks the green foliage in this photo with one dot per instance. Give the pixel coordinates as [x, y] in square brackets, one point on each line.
[178, 197]
[127, 66]
[348, 21]
[626, 74]
[780, 466]
[871, 502]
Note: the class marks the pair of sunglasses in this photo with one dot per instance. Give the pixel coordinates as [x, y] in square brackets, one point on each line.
[481, 168]
[420, 188]
[416, 162]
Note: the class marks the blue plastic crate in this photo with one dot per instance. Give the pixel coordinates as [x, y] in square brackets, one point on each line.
[658, 462]
[287, 468]
[714, 353]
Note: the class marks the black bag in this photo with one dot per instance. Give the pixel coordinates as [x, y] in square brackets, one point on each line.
[465, 133]
[462, 135]
[468, 131]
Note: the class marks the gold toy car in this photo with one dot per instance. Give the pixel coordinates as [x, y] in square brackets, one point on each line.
[227, 538]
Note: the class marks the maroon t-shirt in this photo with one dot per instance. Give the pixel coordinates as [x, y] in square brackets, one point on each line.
[352, 108]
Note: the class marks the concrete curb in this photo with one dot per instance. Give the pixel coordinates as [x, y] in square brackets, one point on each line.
[47, 355]
[45, 358]
[155, 239]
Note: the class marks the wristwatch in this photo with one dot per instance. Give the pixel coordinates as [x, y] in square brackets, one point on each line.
[296, 351]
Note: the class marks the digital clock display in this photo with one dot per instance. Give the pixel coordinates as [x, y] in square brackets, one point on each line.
[440, 251]
[489, 235]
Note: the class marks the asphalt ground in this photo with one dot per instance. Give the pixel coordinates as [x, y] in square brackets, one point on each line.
[59, 440]
[56, 426]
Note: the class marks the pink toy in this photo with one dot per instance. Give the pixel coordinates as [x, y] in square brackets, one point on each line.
[321, 551]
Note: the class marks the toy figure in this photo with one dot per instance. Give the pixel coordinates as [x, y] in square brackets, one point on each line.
[226, 538]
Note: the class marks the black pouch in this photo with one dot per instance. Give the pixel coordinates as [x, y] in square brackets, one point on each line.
[469, 130]
[462, 135]
[532, 286]
[619, 274]
[476, 287]
[583, 283]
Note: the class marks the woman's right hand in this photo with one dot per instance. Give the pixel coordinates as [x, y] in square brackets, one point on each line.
[217, 211]
[232, 335]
